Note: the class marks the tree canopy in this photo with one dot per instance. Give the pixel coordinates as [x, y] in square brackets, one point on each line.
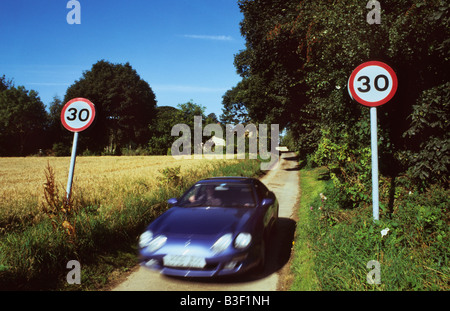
[125, 106]
[300, 54]
[127, 117]
[167, 117]
[23, 120]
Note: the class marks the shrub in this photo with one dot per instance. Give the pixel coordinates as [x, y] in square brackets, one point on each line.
[60, 150]
[429, 158]
[349, 169]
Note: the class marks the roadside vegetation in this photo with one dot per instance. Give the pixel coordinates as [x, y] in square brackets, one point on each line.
[334, 244]
[98, 226]
[295, 68]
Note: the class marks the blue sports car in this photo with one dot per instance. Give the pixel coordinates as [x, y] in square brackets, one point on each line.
[220, 226]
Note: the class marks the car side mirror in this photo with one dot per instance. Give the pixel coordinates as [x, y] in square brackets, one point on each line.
[267, 202]
[172, 201]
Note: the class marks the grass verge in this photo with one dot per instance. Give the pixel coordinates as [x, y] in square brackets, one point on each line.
[336, 249]
[302, 266]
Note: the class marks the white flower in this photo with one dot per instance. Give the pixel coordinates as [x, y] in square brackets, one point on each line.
[384, 232]
[322, 196]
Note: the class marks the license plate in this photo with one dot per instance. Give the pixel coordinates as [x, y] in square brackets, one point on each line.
[184, 261]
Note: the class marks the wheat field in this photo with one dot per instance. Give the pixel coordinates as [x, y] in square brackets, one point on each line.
[98, 179]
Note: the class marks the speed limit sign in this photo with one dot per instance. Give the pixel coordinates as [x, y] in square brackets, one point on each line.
[78, 114]
[372, 83]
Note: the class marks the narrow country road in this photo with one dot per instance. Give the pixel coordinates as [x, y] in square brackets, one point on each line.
[283, 181]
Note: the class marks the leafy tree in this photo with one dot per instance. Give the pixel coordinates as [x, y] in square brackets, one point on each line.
[161, 139]
[266, 72]
[5, 84]
[56, 133]
[299, 55]
[429, 157]
[125, 106]
[420, 47]
[237, 104]
[23, 121]
[212, 118]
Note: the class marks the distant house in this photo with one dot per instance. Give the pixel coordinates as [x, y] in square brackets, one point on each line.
[215, 141]
[282, 149]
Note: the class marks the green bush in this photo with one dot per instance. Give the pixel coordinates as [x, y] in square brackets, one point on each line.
[349, 168]
[61, 150]
[428, 156]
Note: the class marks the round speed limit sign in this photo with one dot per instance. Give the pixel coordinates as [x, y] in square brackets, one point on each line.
[372, 83]
[78, 114]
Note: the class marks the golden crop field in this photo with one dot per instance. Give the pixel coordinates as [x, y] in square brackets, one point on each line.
[100, 179]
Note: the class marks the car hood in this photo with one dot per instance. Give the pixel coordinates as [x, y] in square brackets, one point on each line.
[201, 221]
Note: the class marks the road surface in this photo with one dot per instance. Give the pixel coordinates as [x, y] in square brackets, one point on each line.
[283, 181]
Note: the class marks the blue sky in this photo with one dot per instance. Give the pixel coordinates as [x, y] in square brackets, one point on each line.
[183, 49]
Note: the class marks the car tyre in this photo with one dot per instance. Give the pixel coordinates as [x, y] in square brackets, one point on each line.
[262, 264]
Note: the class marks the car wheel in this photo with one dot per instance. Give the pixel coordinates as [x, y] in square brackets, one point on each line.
[273, 228]
[262, 264]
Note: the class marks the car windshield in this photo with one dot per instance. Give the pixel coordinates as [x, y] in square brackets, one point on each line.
[218, 195]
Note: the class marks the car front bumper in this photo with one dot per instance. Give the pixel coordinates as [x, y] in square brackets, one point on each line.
[229, 264]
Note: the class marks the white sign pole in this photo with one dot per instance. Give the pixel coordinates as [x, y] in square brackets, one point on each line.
[72, 165]
[374, 149]
[373, 84]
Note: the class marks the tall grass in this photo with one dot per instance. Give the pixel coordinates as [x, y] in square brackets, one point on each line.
[35, 256]
[413, 255]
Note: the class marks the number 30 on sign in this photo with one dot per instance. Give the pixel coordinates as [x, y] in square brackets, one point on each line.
[78, 114]
[372, 84]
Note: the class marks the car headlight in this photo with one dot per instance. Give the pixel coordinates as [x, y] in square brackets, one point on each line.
[242, 240]
[222, 243]
[157, 243]
[145, 239]
[152, 244]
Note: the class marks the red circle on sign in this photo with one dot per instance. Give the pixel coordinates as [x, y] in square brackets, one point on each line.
[84, 125]
[382, 100]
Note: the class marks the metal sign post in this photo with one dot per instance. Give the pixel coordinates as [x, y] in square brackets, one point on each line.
[374, 151]
[72, 164]
[373, 84]
[76, 116]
